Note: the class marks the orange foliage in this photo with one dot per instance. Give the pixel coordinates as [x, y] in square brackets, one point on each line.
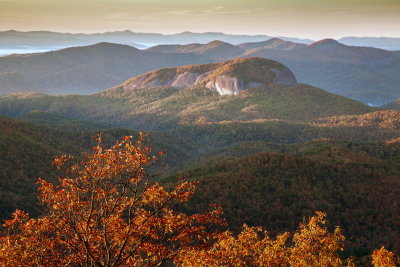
[312, 245]
[248, 249]
[106, 212]
[383, 258]
[315, 246]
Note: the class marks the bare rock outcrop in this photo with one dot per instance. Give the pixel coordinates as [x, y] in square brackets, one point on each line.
[186, 79]
[226, 78]
[225, 85]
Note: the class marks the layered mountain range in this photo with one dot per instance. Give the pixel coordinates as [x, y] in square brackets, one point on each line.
[39, 39]
[218, 105]
[83, 70]
[138, 39]
[258, 88]
[366, 74]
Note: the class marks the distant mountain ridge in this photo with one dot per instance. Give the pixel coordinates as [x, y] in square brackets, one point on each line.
[83, 70]
[386, 43]
[136, 39]
[143, 40]
[274, 43]
[216, 49]
[352, 54]
[366, 74]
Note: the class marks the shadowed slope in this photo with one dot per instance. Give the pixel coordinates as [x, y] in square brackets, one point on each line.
[83, 69]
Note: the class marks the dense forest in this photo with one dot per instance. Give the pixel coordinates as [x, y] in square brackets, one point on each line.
[106, 211]
[271, 156]
[356, 184]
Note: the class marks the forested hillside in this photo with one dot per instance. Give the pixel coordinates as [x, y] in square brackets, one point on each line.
[158, 107]
[83, 70]
[356, 184]
[28, 151]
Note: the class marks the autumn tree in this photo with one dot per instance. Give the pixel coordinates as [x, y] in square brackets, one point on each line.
[384, 258]
[312, 245]
[105, 211]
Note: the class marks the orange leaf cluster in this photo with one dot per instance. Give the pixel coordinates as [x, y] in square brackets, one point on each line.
[312, 245]
[383, 258]
[105, 211]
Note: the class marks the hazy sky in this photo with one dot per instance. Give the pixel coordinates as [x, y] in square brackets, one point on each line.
[314, 19]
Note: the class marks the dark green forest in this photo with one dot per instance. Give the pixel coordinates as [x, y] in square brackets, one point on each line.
[356, 184]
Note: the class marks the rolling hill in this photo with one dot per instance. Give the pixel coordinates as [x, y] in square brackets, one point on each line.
[27, 153]
[257, 89]
[189, 102]
[216, 49]
[363, 73]
[366, 74]
[274, 43]
[28, 150]
[83, 70]
[183, 105]
[354, 183]
[62, 123]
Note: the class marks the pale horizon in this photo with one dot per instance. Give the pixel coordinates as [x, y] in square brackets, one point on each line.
[305, 19]
[203, 32]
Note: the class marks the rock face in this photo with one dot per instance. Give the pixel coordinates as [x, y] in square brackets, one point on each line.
[186, 79]
[226, 78]
[226, 85]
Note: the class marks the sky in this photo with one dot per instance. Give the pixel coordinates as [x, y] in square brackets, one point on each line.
[314, 19]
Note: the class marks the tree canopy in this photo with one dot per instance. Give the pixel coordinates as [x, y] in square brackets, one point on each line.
[105, 210]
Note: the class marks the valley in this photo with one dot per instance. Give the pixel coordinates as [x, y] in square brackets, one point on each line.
[271, 152]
